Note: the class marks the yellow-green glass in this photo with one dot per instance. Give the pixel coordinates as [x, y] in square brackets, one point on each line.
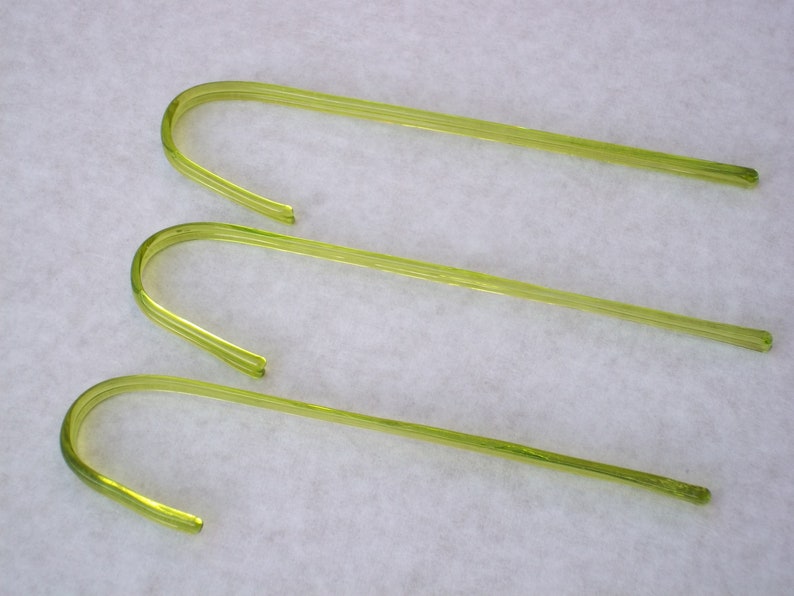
[369, 110]
[181, 520]
[253, 364]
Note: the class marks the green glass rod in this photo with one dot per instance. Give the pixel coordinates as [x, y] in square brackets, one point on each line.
[174, 518]
[381, 112]
[253, 364]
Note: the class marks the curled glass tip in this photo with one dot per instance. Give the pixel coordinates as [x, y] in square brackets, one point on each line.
[253, 364]
[188, 522]
[357, 108]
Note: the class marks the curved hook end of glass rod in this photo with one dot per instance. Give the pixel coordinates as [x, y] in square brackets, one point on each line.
[173, 518]
[277, 211]
[247, 362]
[243, 360]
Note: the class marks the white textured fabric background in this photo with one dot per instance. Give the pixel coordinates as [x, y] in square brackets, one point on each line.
[298, 506]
